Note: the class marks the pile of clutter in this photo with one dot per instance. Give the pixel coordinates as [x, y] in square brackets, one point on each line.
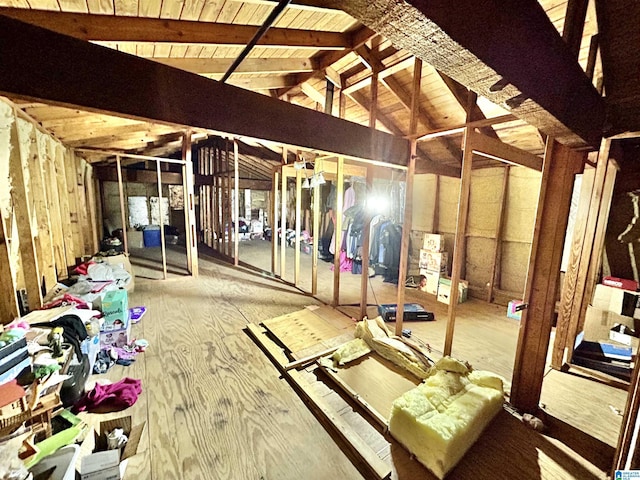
[46, 359]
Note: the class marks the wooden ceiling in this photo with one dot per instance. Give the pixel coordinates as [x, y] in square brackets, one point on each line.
[307, 45]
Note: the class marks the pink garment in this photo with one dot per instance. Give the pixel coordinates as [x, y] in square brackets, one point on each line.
[111, 398]
[345, 263]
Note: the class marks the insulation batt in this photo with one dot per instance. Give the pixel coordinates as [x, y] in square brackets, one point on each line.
[379, 338]
[441, 418]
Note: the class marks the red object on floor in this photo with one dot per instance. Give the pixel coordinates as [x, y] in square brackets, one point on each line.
[111, 398]
[623, 283]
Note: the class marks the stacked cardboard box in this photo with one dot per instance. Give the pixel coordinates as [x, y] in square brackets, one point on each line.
[444, 290]
[433, 261]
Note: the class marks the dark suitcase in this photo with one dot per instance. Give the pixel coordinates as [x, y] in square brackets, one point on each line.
[412, 312]
[73, 388]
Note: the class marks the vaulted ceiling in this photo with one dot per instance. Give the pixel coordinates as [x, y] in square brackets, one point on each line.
[311, 45]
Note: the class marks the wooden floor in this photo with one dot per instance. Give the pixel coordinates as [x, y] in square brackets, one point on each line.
[216, 408]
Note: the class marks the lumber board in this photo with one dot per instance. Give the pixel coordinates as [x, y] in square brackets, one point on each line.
[63, 196]
[275, 222]
[459, 241]
[497, 250]
[163, 247]
[218, 66]
[560, 165]
[497, 150]
[337, 235]
[72, 194]
[114, 28]
[91, 205]
[283, 221]
[298, 229]
[526, 50]
[48, 152]
[36, 53]
[236, 206]
[23, 213]
[9, 305]
[573, 270]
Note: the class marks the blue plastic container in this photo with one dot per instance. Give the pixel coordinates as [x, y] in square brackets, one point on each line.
[151, 236]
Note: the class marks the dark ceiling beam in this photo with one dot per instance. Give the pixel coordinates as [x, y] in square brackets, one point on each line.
[462, 95]
[574, 24]
[66, 71]
[510, 46]
[114, 28]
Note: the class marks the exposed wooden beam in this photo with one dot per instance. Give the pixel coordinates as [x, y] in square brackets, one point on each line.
[248, 66]
[439, 132]
[110, 81]
[546, 85]
[404, 96]
[497, 150]
[362, 100]
[574, 24]
[260, 83]
[114, 28]
[387, 71]
[110, 174]
[357, 37]
[312, 93]
[560, 165]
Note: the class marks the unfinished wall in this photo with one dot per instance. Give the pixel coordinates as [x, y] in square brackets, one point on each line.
[46, 222]
[509, 250]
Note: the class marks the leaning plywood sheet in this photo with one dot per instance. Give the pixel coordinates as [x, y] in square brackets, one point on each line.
[311, 330]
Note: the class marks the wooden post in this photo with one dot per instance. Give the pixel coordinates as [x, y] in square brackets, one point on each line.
[189, 206]
[406, 237]
[560, 164]
[9, 304]
[283, 223]
[47, 263]
[93, 198]
[23, 213]
[499, 227]
[461, 228]
[86, 224]
[296, 270]
[122, 211]
[627, 451]
[69, 164]
[274, 223]
[569, 289]
[65, 214]
[408, 204]
[338, 231]
[162, 239]
[236, 202]
[316, 239]
[578, 277]
[436, 207]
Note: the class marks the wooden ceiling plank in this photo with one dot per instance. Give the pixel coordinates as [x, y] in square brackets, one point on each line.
[311, 5]
[248, 66]
[138, 29]
[547, 87]
[108, 81]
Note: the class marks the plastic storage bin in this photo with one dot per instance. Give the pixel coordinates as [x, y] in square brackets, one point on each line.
[151, 236]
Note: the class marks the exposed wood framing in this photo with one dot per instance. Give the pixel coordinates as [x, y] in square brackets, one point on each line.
[68, 161]
[161, 222]
[275, 223]
[218, 66]
[316, 239]
[283, 222]
[37, 54]
[497, 150]
[497, 249]
[569, 294]
[298, 229]
[546, 85]
[560, 166]
[458, 253]
[574, 24]
[23, 213]
[9, 305]
[115, 28]
[236, 206]
[440, 132]
[627, 451]
[48, 148]
[189, 205]
[338, 231]
[123, 214]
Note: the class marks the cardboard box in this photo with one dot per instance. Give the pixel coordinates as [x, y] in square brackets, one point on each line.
[616, 300]
[512, 311]
[99, 464]
[433, 242]
[115, 308]
[115, 338]
[598, 325]
[622, 283]
[135, 239]
[444, 290]
[622, 334]
[433, 261]
[433, 278]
